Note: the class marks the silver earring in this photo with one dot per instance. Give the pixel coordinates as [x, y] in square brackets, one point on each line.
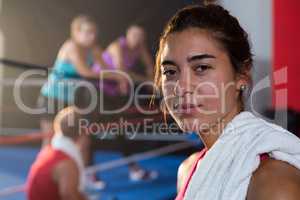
[243, 87]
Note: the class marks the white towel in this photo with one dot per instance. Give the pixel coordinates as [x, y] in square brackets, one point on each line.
[225, 171]
[66, 145]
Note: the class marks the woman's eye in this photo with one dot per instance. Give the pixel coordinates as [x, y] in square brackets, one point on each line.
[202, 68]
[169, 72]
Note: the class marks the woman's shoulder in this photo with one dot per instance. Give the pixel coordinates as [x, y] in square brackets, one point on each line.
[186, 166]
[188, 163]
[276, 180]
[113, 48]
[67, 48]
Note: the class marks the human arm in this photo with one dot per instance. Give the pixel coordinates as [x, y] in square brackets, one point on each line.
[274, 180]
[148, 62]
[79, 61]
[117, 56]
[66, 175]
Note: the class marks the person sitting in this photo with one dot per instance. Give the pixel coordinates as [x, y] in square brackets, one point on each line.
[57, 172]
[74, 62]
[123, 54]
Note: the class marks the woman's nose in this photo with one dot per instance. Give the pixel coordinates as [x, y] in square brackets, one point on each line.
[183, 85]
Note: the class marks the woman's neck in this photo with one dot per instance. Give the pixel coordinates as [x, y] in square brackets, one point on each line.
[83, 49]
[211, 135]
[130, 48]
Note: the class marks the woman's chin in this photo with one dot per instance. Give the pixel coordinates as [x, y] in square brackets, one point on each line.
[189, 125]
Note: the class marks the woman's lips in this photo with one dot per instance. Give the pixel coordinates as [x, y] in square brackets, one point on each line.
[187, 109]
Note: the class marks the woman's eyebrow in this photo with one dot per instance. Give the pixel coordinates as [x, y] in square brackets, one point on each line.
[168, 62]
[200, 57]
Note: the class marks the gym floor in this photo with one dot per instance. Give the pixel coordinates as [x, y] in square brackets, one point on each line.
[16, 161]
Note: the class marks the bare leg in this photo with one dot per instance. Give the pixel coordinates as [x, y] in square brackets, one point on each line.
[85, 148]
[85, 144]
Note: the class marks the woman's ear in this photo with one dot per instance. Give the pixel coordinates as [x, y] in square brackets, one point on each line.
[243, 79]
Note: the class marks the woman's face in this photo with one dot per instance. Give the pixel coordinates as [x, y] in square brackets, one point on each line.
[86, 35]
[198, 81]
[135, 36]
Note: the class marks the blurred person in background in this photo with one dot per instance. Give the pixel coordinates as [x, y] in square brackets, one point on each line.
[74, 62]
[57, 172]
[123, 55]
